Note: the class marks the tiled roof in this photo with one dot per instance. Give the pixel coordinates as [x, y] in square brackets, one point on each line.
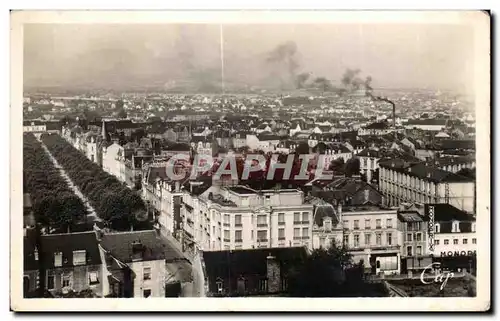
[322, 211]
[121, 246]
[250, 262]
[446, 213]
[423, 171]
[67, 243]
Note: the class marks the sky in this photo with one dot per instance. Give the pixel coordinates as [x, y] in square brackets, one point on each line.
[433, 56]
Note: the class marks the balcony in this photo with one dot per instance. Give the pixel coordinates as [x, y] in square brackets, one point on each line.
[297, 237]
[281, 223]
[238, 225]
[379, 227]
[227, 240]
[262, 240]
[305, 237]
[262, 225]
[297, 222]
[238, 241]
[226, 224]
[281, 238]
[305, 222]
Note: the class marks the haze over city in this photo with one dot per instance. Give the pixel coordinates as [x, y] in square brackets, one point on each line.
[437, 57]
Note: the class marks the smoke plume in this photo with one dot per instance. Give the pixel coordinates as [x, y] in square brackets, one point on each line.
[284, 58]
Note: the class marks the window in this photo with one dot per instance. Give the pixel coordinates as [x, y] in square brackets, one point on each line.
[237, 220]
[261, 220]
[305, 233]
[263, 285]
[419, 237]
[147, 273]
[146, 293]
[389, 223]
[379, 239]
[409, 251]
[356, 240]
[93, 279]
[455, 241]
[226, 236]
[378, 223]
[473, 227]
[437, 228]
[474, 241]
[356, 224]
[79, 257]
[281, 218]
[66, 281]
[296, 233]
[238, 236]
[262, 236]
[436, 242]
[328, 224]
[419, 250]
[346, 224]
[368, 239]
[389, 238]
[346, 239]
[464, 241]
[409, 237]
[322, 242]
[446, 242]
[281, 234]
[368, 224]
[50, 282]
[57, 259]
[305, 217]
[36, 254]
[251, 235]
[226, 219]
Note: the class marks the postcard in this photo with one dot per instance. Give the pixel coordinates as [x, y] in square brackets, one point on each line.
[250, 161]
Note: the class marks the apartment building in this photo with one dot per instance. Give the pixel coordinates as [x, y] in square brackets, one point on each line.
[371, 234]
[113, 161]
[72, 263]
[402, 182]
[135, 264]
[327, 226]
[454, 235]
[414, 253]
[238, 217]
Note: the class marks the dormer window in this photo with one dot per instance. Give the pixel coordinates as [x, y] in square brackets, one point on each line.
[437, 228]
[36, 254]
[79, 257]
[58, 259]
[327, 224]
[473, 227]
[455, 227]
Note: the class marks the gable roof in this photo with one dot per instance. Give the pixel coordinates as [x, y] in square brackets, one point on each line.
[249, 262]
[66, 244]
[121, 246]
[322, 211]
[444, 212]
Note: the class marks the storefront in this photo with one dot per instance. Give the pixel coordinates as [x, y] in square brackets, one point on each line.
[457, 260]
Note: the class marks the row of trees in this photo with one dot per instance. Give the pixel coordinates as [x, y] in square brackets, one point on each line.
[113, 201]
[54, 204]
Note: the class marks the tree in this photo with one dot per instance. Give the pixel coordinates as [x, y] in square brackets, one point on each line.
[352, 167]
[337, 165]
[321, 274]
[302, 148]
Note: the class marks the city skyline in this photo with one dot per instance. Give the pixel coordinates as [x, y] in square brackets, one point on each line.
[417, 56]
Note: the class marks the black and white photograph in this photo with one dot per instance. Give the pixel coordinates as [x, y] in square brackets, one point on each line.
[250, 155]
